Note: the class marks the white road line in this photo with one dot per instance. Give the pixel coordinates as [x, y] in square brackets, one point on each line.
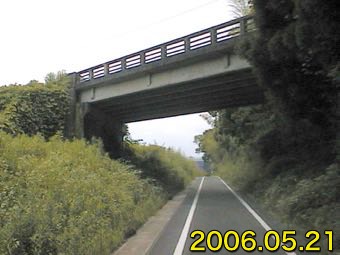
[181, 241]
[252, 212]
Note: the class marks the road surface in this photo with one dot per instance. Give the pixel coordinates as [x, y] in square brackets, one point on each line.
[210, 205]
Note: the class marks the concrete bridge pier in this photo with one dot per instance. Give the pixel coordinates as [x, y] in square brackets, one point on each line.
[94, 123]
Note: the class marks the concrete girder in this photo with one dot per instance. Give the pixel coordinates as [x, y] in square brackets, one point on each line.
[175, 91]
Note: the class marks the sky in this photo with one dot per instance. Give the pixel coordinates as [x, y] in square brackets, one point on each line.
[42, 36]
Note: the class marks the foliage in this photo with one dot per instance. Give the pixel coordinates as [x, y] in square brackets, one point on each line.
[241, 7]
[282, 154]
[35, 108]
[298, 184]
[58, 79]
[235, 129]
[62, 197]
[67, 197]
[165, 166]
[293, 54]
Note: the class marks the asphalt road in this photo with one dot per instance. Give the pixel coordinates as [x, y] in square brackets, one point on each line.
[210, 205]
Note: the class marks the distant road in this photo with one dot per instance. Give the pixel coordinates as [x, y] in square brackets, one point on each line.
[210, 205]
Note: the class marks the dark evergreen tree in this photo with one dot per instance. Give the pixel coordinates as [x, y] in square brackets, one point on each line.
[294, 55]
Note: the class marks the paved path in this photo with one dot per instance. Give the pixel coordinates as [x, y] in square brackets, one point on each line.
[209, 205]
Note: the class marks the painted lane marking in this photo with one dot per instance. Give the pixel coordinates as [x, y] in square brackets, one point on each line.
[181, 241]
[252, 212]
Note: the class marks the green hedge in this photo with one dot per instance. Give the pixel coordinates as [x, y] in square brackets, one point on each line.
[62, 197]
[33, 108]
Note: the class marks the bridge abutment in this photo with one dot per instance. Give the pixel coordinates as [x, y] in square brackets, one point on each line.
[87, 121]
[97, 124]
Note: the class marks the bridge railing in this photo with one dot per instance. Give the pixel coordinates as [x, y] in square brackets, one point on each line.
[204, 38]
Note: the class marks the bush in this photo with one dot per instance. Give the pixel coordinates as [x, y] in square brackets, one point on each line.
[165, 166]
[67, 198]
[34, 108]
[307, 202]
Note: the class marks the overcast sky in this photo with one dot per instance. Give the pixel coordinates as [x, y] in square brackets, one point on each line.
[42, 36]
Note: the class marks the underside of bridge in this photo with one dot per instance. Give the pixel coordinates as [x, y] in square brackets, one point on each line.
[213, 93]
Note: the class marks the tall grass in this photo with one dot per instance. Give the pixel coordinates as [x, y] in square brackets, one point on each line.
[165, 166]
[68, 197]
[62, 197]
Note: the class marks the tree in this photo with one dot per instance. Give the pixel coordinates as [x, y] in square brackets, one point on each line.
[241, 8]
[60, 78]
[293, 65]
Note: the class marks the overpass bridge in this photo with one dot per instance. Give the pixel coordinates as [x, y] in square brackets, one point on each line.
[195, 73]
